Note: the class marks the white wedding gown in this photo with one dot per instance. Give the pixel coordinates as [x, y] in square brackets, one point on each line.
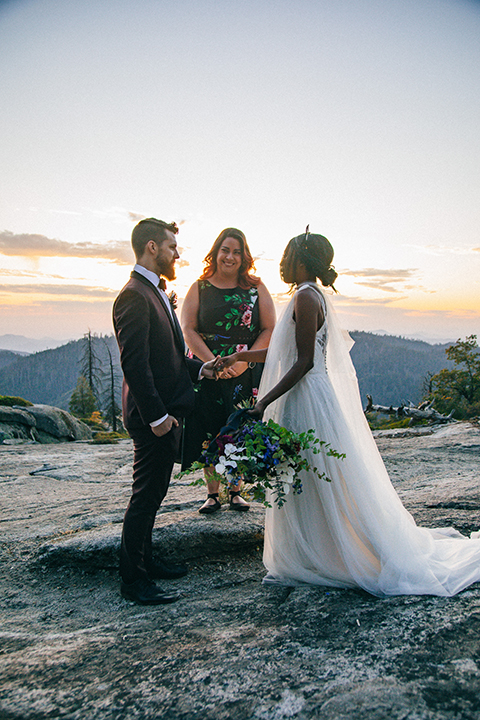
[353, 531]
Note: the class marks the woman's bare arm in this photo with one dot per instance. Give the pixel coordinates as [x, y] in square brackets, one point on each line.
[195, 342]
[309, 318]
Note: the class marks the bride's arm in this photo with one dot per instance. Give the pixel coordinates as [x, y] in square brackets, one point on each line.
[258, 355]
[309, 319]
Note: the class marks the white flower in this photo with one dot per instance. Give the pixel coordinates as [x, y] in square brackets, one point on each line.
[224, 465]
[286, 488]
[232, 452]
[286, 473]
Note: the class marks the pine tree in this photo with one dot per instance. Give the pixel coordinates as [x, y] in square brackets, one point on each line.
[459, 389]
[110, 407]
[90, 363]
[82, 403]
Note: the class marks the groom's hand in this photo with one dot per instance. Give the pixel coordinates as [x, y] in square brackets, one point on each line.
[210, 369]
[165, 426]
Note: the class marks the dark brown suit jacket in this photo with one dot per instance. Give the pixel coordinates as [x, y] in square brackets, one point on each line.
[158, 377]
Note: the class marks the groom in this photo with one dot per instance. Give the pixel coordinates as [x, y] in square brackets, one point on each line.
[157, 394]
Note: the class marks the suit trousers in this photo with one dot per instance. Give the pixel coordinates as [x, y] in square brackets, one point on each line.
[153, 462]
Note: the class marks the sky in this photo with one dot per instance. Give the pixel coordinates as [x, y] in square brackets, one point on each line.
[360, 118]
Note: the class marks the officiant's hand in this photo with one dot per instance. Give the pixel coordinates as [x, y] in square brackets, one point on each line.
[234, 370]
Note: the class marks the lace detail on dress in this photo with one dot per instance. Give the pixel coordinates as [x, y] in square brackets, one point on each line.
[321, 343]
[321, 339]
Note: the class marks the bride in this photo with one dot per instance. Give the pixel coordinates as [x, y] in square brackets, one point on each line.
[353, 531]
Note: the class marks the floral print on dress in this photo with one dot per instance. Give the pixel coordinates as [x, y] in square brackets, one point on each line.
[240, 309]
[246, 317]
[229, 319]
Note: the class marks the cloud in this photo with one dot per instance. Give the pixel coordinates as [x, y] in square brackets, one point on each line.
[440, 250]
[394, 275]
[381, 279]
[59, 290]
[355, 301]
[32, 245]
[6, 272]
[136, 217]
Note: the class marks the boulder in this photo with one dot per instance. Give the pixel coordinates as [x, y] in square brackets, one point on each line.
[40, 423]
[58, 423]
[16, 415]
[17, 425]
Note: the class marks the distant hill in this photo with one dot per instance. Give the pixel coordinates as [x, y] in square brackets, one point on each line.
[390, 369]
[393, 369]
[7, 357]
[50, 376]
[26, 345]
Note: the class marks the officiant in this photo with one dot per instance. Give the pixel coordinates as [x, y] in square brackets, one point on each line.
[228, 309]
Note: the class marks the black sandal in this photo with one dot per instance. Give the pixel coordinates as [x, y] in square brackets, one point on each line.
[239, 507]
[209, 509]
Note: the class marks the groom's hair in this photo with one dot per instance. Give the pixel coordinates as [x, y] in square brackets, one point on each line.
[150, 229]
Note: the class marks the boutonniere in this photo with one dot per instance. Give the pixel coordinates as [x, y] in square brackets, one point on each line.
[172, 299]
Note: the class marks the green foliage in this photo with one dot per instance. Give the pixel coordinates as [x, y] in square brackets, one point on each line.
[392, 369]
[82, 403]
[458, 389]
[108, 438]
[264, 455]
[49, 377]
[378, 421]
[10, 401]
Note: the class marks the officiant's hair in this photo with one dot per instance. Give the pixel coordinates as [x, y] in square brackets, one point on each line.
[245, 279]
[150, 229]
[316, 253]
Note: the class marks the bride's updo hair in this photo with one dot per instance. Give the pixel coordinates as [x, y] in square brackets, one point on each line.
[316, 253]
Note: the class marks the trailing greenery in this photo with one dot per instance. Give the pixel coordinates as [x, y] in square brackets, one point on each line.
[458, 389]
[265, 455]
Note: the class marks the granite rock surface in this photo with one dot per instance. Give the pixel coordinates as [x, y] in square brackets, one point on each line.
[230, 648]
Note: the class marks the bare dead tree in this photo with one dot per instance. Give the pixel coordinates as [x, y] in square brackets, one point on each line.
[425, 411]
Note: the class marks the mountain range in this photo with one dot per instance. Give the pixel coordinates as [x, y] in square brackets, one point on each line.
[391, 369]
[25, 345]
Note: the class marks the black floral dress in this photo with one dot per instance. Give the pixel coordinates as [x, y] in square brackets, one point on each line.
[228, 322]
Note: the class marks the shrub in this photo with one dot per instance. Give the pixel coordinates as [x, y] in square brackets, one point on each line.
[11, 400]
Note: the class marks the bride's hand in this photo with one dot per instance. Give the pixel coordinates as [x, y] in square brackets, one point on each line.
[230, 366]
[225, 362]
[256, 413]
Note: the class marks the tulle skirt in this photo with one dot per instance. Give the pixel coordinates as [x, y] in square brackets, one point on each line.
[354, 530]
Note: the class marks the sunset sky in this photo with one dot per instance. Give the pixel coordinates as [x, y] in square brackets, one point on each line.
[361, 118]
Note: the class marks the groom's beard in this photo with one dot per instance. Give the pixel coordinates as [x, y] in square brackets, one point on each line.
[165, 269]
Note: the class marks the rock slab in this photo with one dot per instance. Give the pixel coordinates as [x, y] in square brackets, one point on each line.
[230, 648]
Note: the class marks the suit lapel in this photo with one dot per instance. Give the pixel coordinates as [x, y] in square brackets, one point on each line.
[172, 318]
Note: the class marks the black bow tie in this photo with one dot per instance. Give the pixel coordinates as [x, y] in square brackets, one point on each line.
[162, 285]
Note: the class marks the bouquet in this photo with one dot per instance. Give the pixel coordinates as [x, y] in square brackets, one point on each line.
[263, 455]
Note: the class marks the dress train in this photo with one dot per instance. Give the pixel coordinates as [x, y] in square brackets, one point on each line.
[353, 531]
